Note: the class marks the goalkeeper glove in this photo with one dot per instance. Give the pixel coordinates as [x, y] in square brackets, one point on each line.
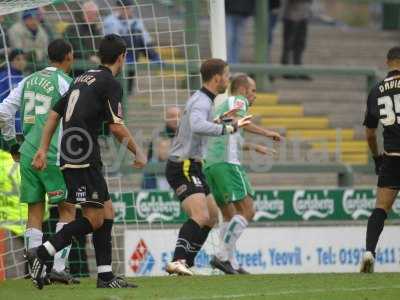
[229, 128]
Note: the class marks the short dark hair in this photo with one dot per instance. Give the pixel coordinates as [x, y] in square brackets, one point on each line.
[393, 53]
[212, 67]
[239, 80]
[58, 50]
[15, 53]
[111, 47]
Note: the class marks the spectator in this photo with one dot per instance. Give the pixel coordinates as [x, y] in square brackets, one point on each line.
[30, 36]
[237, 13]
[134, 33]
[85, 35]
[3, 36]
[41, 13]
[296, 14]
[155, 181]
[172, 116]
[132, 30]
[11, 76]
[274, 9]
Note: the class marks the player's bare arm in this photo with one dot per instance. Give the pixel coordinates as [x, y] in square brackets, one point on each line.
[259, 149]
[255, 129]
[39, 162]
[124, 137]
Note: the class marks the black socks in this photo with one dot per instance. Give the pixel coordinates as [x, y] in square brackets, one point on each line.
[200, 240]
[63, 238]
[186, 243]
[103, 250]
[374, 228]
[190, 240]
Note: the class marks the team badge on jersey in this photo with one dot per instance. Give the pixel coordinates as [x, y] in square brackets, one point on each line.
[239, 104]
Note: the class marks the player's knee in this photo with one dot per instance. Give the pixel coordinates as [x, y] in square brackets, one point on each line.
[96, 222]
[35, 215]
[66, 211]
[202, 218]
[108, 210]
[212, 220]
[95, 217]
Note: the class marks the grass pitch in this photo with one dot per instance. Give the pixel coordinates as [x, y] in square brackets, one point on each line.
[280, 287]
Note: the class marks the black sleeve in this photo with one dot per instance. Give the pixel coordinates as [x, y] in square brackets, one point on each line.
[61, 105]
[113, 102]
[371, 118]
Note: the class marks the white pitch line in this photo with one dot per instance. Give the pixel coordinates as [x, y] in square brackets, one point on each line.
[292, 292]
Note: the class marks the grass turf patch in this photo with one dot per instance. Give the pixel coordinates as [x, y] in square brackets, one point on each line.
[382, 286]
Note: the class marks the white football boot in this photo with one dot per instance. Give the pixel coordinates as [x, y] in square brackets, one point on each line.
[367, 263]
[178, 267]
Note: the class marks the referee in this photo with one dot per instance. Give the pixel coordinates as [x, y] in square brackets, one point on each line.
[184, 167]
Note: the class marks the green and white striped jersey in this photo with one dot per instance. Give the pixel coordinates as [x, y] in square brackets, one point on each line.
[227, 148]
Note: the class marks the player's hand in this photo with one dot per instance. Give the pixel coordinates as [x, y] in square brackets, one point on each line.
[275, 136]
[265, 150]
[378, 163]
[244, 121]
[232, 128]
[140, 160]
[39, 161]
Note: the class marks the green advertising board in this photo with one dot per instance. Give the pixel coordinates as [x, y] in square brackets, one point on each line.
[271, 205]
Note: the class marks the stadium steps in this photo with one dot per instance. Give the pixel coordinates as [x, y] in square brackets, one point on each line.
[320, 134]
[356, 158]
[278, 110]
[296, 122]
[349, 147]
[314, 130]
[266, 99]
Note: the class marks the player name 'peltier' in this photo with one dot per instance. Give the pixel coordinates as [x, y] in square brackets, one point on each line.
[41, 82]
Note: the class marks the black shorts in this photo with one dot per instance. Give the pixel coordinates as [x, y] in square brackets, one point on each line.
[389, 173]
[186, 178]
[86, 186]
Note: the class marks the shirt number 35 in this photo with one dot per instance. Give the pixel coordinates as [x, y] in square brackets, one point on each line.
[388, 112]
